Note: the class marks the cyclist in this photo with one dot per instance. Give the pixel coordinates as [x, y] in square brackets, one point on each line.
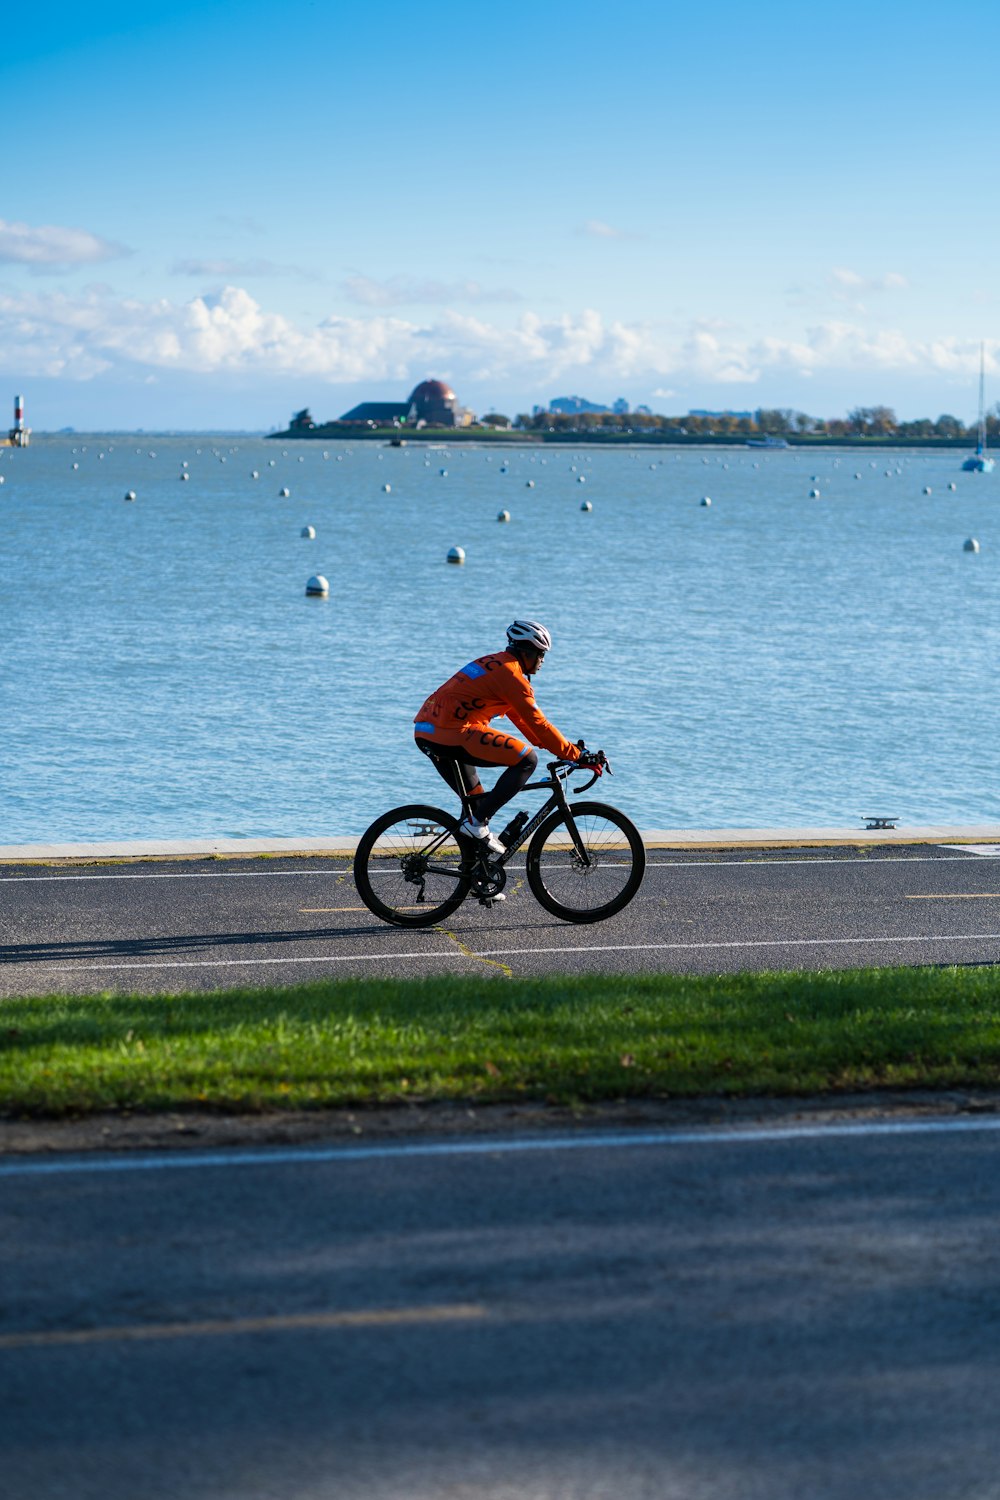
[453, 728]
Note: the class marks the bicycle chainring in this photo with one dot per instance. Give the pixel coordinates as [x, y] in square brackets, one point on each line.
[489, 880]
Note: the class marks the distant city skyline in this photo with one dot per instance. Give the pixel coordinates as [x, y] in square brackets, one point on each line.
[215, 217]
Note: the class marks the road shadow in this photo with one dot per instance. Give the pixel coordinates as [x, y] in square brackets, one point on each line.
[199, 942]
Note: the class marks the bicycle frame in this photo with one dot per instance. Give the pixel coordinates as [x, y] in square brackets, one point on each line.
[559, 771]
[481, 860]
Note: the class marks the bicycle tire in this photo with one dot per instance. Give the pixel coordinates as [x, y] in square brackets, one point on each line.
[557, 875]
[398, 851]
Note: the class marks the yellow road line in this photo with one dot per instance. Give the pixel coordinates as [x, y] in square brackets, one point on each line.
[390, 1317]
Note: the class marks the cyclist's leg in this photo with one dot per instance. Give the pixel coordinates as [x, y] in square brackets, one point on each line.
[451, 764]
[491, 748]
[457, 765]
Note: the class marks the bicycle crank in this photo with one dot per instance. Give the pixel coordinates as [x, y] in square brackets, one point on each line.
[488, 882]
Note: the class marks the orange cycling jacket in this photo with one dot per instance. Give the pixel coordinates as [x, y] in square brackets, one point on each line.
[487, 688]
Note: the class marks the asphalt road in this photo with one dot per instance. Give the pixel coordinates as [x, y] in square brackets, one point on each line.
[204, 924]
[716, 1315]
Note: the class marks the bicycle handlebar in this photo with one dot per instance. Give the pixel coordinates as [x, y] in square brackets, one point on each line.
[567, 767]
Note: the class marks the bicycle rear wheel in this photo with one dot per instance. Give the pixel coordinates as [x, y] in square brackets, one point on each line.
[589, 871]
[408, 868]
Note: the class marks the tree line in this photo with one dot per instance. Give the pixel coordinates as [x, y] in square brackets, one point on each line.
[863, 421]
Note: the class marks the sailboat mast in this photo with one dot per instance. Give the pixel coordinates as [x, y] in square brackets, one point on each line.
[982, 413]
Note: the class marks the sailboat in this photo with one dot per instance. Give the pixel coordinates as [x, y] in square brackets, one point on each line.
[979, 463]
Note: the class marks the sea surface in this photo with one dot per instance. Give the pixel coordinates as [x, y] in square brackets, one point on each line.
[774, 658]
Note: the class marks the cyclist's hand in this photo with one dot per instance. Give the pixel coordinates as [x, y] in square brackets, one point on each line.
[594, 760]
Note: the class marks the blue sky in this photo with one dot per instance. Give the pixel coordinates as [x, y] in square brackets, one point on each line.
[213, 215]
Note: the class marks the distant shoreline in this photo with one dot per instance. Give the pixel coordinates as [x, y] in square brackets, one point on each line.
[454, 435]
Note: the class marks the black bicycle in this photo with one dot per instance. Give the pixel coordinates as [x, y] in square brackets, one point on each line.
[584, 862]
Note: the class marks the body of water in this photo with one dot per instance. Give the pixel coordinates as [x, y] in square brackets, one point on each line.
[775, 658]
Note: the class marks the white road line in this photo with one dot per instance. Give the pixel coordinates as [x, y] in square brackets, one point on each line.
[651, 864]
[242, 963]
[493, 1146]
[354, 958]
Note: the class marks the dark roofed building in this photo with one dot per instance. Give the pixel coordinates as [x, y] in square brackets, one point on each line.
[379, 412]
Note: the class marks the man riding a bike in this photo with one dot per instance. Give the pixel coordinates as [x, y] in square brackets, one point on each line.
[453, 728]
[583, 860]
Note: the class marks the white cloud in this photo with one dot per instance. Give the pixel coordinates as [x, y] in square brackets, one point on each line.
[596, 229]
[854, 282]
[86, 335]
[50, 247]
[400, 291]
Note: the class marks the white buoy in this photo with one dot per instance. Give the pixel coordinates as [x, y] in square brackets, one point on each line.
[585, 505]
[270, 463]
[529, 484]
[503, 515]
[581, 479]
[76, 466]
[130, 495]
[814, 494]
[456, 554]
[185, 475]
[254, 474]
[318, 586]
[387, 489]
[706, 500]
[284, 494]
[951, 486]
[309, 532]
[443, 473]
[927, 489]
[970, 545]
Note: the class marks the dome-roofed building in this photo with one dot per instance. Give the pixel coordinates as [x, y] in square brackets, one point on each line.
[431, 404]
[435, 403]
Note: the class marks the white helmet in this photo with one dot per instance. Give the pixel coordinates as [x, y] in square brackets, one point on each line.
[528, 633]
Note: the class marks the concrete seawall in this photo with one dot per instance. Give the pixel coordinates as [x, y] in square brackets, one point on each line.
[655, 838]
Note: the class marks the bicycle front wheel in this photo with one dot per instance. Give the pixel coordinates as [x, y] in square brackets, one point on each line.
[586, 865]
[408, 868]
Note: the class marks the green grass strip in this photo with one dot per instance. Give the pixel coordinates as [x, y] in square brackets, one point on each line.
[561, 1039]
